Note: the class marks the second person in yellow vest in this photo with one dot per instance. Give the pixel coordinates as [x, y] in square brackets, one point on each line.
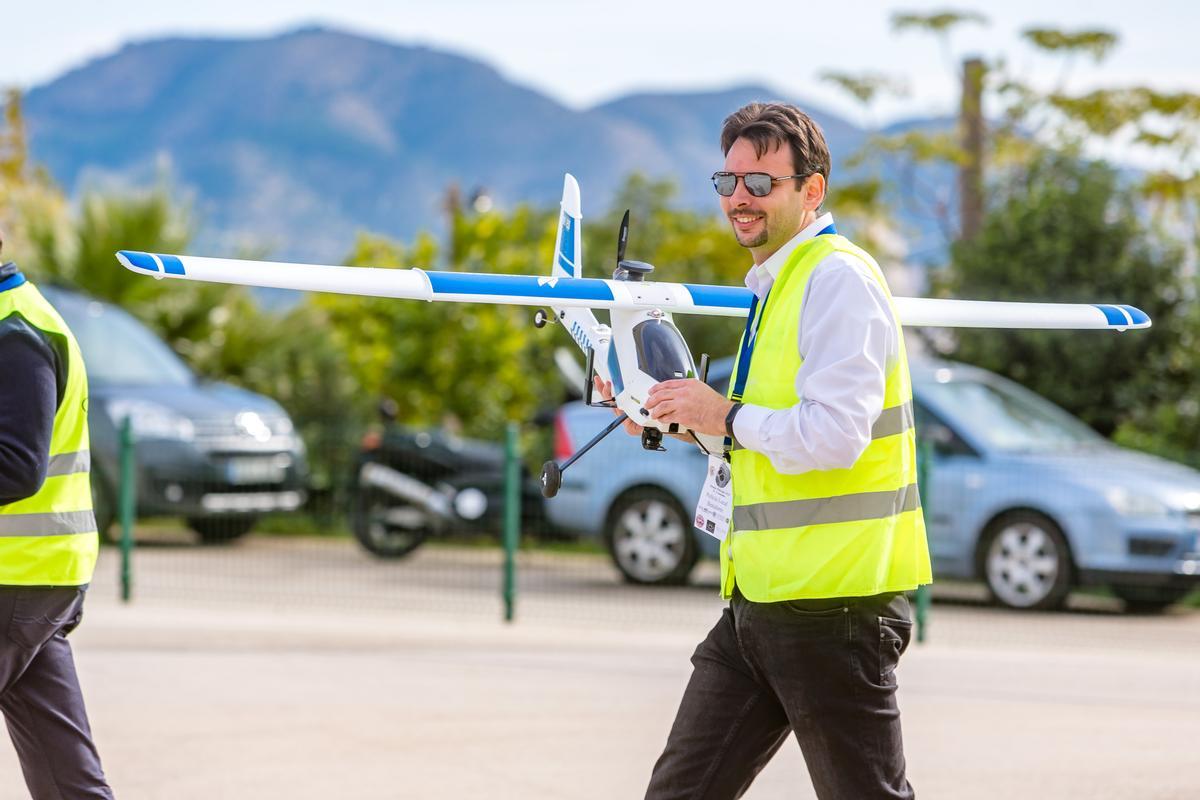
[48, 543]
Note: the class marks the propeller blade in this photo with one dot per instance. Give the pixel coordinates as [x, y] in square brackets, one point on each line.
[623, 237]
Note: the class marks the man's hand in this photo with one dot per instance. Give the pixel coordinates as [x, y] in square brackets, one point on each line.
[691, 403]
[605, 390]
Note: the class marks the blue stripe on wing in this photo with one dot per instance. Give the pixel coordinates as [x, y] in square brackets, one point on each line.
[1113, 314]
[1138, 316]
[141, 260]
[171, 264]
[719, 296]
[519, 286]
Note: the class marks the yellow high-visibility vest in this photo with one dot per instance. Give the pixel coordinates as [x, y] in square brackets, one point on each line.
[824, 533]
[50, 539]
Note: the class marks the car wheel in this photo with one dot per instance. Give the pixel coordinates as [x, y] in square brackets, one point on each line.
[386, 528]
[221, 530]
[1149, 599]
[1026, 561]
[650, 538]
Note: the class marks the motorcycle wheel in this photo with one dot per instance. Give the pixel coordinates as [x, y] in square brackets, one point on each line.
[388, 528]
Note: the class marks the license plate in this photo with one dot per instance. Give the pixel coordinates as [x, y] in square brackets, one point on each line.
[258, 469]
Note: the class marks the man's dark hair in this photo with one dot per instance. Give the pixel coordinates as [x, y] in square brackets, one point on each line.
[1, 240]
[769, 125]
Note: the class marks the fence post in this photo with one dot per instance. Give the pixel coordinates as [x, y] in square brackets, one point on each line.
[512, 518]
[924, 455]
[127, 507]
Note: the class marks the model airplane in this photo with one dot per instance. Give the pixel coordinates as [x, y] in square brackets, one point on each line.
[641, 346]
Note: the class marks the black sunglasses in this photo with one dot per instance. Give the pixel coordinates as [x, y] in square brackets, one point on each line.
[758, 184]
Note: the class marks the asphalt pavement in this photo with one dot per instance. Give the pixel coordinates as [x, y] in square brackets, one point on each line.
[304, 668]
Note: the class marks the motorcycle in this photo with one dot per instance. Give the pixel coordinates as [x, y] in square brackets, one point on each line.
[411, 484]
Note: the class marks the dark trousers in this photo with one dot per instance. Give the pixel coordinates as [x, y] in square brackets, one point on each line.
[40, 696]
[822, 669]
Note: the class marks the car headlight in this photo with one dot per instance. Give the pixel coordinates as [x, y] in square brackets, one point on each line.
[150, 420]
[1135, 504]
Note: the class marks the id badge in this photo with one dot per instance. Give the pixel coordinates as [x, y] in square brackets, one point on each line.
[715, 508]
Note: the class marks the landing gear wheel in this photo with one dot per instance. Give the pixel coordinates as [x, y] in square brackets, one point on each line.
[650, 538]
[551, 479]
[1026, 561]
[1149, 599]
[386, 528]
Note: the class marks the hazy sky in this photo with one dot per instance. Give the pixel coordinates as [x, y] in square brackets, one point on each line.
[584, 52]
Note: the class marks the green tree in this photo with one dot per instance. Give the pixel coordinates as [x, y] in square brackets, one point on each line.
[468, 366]
[1066, 229]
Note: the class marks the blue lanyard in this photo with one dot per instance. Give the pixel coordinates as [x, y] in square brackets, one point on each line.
[750, 336]
[12, 281]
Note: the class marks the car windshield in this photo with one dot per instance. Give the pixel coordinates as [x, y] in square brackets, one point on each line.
[117, 349]
[1008, 417]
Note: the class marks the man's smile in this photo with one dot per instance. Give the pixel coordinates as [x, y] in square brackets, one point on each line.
[743, 220]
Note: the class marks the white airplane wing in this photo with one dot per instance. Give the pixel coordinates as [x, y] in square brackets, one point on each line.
[562, 293]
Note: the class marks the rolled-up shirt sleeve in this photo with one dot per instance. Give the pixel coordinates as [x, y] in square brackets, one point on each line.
[848, 341]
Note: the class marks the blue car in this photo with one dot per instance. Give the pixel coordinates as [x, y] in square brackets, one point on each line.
[1019, 494]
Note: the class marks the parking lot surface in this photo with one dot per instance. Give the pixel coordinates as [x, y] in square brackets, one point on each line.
[304, 668]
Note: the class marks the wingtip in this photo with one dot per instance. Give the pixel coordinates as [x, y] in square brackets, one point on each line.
[141, 263]
[136, 261]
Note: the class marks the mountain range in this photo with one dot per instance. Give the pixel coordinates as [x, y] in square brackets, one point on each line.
[293, 143]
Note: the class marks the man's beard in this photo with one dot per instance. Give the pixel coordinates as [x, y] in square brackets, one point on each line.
[757, 239]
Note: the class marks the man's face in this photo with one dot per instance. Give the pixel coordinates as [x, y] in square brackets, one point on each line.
[763, 224]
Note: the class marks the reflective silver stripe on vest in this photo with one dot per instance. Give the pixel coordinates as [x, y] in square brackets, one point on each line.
[892, 421]
[69, 463]
[826, 510]
[54, 523]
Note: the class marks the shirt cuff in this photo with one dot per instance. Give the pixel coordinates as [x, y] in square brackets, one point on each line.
[749, 425]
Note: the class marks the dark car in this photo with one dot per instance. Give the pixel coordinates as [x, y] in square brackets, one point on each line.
[210, 452]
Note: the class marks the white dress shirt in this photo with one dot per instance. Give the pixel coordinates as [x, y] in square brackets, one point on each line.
[849, 341]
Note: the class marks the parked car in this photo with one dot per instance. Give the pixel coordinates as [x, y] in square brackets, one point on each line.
[1020, 494]
[210, 452]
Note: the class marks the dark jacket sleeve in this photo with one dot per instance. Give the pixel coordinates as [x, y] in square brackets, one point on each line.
[28, 402]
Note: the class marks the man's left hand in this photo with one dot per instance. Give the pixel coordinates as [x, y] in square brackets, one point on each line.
[691, 403]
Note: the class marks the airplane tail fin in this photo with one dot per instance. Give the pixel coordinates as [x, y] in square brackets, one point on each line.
[568, 246]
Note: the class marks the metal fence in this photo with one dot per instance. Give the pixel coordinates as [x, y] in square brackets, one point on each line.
[443, 525]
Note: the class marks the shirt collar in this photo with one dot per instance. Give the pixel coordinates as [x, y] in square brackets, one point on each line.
[762, 276]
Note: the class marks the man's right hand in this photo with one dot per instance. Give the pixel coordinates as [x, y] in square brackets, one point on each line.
[605, 390]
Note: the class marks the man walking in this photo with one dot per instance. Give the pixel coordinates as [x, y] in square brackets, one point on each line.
[826, 532]
[48, 543]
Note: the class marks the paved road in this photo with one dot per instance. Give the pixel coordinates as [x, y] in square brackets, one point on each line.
[302, 668]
